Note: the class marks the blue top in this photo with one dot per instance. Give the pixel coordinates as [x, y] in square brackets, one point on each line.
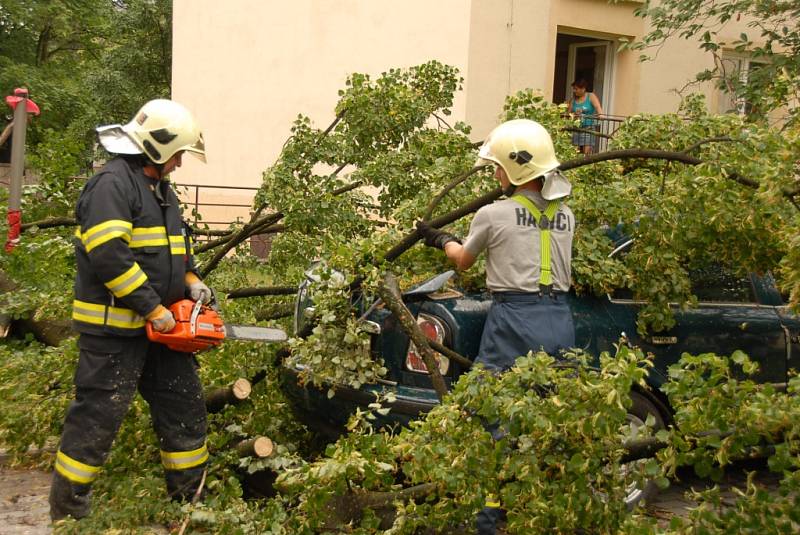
[587, 109]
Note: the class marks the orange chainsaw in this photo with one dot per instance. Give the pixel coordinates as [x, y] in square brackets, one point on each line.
[199, 327]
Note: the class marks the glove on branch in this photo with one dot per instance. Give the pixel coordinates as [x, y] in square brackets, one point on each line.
[435, 237]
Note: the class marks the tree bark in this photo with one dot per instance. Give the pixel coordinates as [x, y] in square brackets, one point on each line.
[219, 398]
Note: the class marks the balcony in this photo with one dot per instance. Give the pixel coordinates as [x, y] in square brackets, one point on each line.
[598, 132]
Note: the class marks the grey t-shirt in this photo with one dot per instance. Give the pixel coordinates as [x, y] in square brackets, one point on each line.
[510, 236]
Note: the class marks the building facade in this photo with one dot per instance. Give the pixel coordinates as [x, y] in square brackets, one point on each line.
[248, 67]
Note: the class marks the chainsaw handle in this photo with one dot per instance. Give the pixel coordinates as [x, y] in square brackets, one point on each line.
[157, 336]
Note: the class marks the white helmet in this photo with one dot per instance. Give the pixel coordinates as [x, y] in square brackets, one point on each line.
[159, 130]
[524, 150]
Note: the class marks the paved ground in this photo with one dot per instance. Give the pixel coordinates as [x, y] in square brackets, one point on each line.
[674, 501]
[23, 502]
[24, 511]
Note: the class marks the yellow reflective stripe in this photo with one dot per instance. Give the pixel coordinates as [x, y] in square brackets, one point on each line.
[546, 276]
[127, 282]
[181, 460]
[75, 471]
[105, 315]
[149, 237]
[124, 318]
[108, 230]
[177, 245]
[491, 501]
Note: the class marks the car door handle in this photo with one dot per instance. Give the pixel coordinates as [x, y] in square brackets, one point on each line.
[663, 340]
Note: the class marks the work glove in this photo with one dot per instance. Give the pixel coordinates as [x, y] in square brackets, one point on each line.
[198, 290]
[435, 237]
[161, 319]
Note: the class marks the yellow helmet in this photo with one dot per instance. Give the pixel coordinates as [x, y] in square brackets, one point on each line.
[162, 128]
[523, 148]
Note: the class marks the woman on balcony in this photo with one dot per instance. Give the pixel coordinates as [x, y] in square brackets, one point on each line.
[586, 106]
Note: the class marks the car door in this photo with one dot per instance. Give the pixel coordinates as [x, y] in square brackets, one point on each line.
[729, 316]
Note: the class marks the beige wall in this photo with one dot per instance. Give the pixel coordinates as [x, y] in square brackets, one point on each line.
[508, 51]
[512, 47]
[248, 67]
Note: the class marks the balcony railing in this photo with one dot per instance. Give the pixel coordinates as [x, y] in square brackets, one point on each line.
[597, 131]
[194, 195]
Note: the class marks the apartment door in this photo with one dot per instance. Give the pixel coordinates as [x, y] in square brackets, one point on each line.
[594, 62]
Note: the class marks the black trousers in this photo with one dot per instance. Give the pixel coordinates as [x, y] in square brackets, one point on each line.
[110, 371]
[517, 323]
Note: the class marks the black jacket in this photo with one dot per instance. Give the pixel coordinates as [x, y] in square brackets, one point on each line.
[132, 250]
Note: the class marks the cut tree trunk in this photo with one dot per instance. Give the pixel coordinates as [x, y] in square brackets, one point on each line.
[219, 398]
[260, 447]
[50, 332]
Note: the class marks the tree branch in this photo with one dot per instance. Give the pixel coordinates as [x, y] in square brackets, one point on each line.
[389, 291]
[449, 353]
[50, 223]
[448, 188]
[238, 238]
[211, 232]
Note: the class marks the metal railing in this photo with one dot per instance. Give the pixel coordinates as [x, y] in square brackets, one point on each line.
[190, 195]
[597, 131]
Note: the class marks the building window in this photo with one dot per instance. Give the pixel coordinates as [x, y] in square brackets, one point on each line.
[736, 71]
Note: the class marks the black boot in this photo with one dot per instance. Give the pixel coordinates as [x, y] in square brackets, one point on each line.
[68, 499]
[182, 484]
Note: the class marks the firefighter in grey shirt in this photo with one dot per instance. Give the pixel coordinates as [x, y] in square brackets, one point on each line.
[528, 242]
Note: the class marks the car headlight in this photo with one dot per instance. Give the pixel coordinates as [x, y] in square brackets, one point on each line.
[304, 302]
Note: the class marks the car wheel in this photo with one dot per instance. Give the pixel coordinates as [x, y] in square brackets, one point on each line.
[640, 409]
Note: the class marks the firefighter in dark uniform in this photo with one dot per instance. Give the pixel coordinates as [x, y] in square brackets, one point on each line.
[528, 242]
[134, 259]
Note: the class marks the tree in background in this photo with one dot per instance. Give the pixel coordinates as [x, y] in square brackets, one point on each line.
[85, 63]
[773, 46]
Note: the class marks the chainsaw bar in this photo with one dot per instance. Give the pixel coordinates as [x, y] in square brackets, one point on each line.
[255, 334]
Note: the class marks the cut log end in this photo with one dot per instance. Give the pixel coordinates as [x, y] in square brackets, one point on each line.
[241, 389]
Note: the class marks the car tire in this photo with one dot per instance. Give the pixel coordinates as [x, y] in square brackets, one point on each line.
[641, 407]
